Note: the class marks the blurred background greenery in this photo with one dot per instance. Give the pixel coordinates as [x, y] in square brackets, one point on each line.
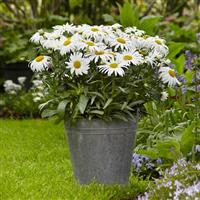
[176, 21]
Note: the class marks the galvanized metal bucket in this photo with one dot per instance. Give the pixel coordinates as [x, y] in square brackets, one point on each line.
[101, 151]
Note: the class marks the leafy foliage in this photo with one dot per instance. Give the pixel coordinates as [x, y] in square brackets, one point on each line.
[100, 96]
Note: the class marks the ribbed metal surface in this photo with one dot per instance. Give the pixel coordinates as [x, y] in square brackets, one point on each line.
[101, 151]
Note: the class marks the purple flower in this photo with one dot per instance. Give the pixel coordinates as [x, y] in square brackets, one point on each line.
[159, 161]
[198, 88]
[139, 161]
[182, 162]
[149, 165]
[145, 197]
[181, 79]
[196, 78]
[198, 37]
[184, 89]
[189, 61]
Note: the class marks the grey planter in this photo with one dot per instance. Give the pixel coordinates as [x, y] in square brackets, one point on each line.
[101, 151]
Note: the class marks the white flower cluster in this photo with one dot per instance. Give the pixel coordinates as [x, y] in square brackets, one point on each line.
[38, 88]
[11, 87]
[111, 49]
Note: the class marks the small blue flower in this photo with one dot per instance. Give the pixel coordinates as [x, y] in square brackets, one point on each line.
[184, 89]
[159, 161]
[189, 60]
[198, 37]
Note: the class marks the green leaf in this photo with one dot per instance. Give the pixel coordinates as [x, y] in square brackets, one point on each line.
[151, 153]
[61, 107]
[97, 94]
[107, 103]
[123, 90]
[172, 92]
[189, 76]
[43, 105]
[48, 113]
[179, 64]
[174, 49]
[187, 139]
[128, 15]
[134, 103]
[82, 103]
[149, 23]
[93, 99]
[169, 149]
[109, 18]
[124, 106]
[74, 3]
[99, 112]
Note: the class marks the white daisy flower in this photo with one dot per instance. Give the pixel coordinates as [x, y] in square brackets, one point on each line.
[68, 28]
[157, 40]
[113, 66]
[162, 49]
[107, 30]
[120, 42]
[37, 37]
[139, 33]
[93, 32]
[92, 46]
[134, 30]
[78, 64]
[116, 26]
[159, 45]
[131, 57]
[168, 76]
[51, 40]
[100, 54]
[66, 45]
[40, 63]
[130, 30]
[81, 28]
[50, 44]
[141, 44]
[164, 96]
[153, 57]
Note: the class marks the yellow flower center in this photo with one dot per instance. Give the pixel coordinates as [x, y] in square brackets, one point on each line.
[99, 53]
[145, 37]
[158, 42]
[94, 29]
[128, 57]
[77, 64]
[113, 65]
[67, 42]
[143, 52]
[172, 73]
[39, 58]
[90, 43]
[121, 40]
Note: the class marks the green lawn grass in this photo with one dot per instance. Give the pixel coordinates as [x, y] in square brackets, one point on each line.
[35, 164]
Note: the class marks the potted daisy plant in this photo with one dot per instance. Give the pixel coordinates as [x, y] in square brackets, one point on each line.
[99, 78]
